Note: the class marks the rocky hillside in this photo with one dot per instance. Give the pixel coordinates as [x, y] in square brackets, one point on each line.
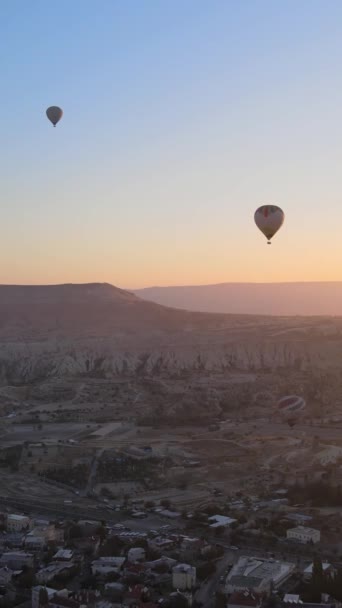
[101, 330]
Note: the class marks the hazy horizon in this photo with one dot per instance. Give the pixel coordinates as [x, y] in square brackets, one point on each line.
[307, 298]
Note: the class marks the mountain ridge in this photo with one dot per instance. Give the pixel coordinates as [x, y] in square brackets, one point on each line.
[300, 298]
[99, 330]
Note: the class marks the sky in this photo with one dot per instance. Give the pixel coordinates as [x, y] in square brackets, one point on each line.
[181, 117]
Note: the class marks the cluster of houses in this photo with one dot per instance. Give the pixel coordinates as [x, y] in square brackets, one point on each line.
[64, 565]
[87, 563]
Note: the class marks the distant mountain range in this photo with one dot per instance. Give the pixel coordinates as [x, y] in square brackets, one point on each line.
[314, 298]
[101, 331]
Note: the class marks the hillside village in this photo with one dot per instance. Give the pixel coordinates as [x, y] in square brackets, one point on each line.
[132, 478]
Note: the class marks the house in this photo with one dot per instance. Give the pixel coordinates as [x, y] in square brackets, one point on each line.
[45, 575]
[17, 523]
[191, 544]
[218, 521]
[6, 575]
[114, 591]
[64, 555]
[327, 569]
[16, 560]
[183, 577]
[35, 541]
[135, 595]
[15, 540]
[244, 599]
[107, 565]
[304, 535]
[35, 594]
[299, 518]
[162, 543]
[258, 575]
[170, 514]
[136, 554]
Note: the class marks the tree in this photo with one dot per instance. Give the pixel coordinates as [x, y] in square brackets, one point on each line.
[165, 503]
[101, 531]
[75, 531]
[27, 578]
[179, 601]
[149, 504]
[43, 597]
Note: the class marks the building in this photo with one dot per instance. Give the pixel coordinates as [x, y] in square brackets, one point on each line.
[327, 569]
[302, 534]
[218, 521]
[244, 599]
[299, 518]
[257, 575]
[15, 540]
[35, 542]
[5, 576]
[17, 523]
[45, 575]
[107, 565]
[35, 594]
[170, 514]
[183, 577]
[16, 560]
[63, 555]
[136, 554]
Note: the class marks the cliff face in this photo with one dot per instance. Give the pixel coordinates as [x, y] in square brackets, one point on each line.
[104, 331]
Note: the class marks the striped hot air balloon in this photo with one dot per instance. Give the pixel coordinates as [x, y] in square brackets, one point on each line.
[290, 408]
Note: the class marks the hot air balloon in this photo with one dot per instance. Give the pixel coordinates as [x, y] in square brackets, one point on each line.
[54, 114]
[269, 218]
[290, 408]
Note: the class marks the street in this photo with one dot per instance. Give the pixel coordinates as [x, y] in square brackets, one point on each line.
[206, 593]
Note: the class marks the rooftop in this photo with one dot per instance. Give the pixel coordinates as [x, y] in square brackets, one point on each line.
[221, 520]
[244, 598]
[304, 530]
[249, 571]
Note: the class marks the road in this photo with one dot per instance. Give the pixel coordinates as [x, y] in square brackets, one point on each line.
[41, 507]
[93, 471]
[207, 591]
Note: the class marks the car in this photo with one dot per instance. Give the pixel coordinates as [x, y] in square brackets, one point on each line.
[233, 548]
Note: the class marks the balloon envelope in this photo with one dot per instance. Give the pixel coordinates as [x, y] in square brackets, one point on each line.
[269, 218]
[290, 408]
[54, 114]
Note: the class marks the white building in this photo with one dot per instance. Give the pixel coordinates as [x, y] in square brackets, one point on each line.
[218, 521]
[17, 523]
[304, 535]
[183, 577]
[64, 555]
[257, 575]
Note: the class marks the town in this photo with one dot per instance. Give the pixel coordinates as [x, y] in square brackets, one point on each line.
[250, 554]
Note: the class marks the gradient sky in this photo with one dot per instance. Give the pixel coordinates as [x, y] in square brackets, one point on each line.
[181, 117]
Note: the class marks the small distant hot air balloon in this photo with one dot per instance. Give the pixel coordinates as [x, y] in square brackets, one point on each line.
[54, 114]
[290, 408]
[269, 218]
